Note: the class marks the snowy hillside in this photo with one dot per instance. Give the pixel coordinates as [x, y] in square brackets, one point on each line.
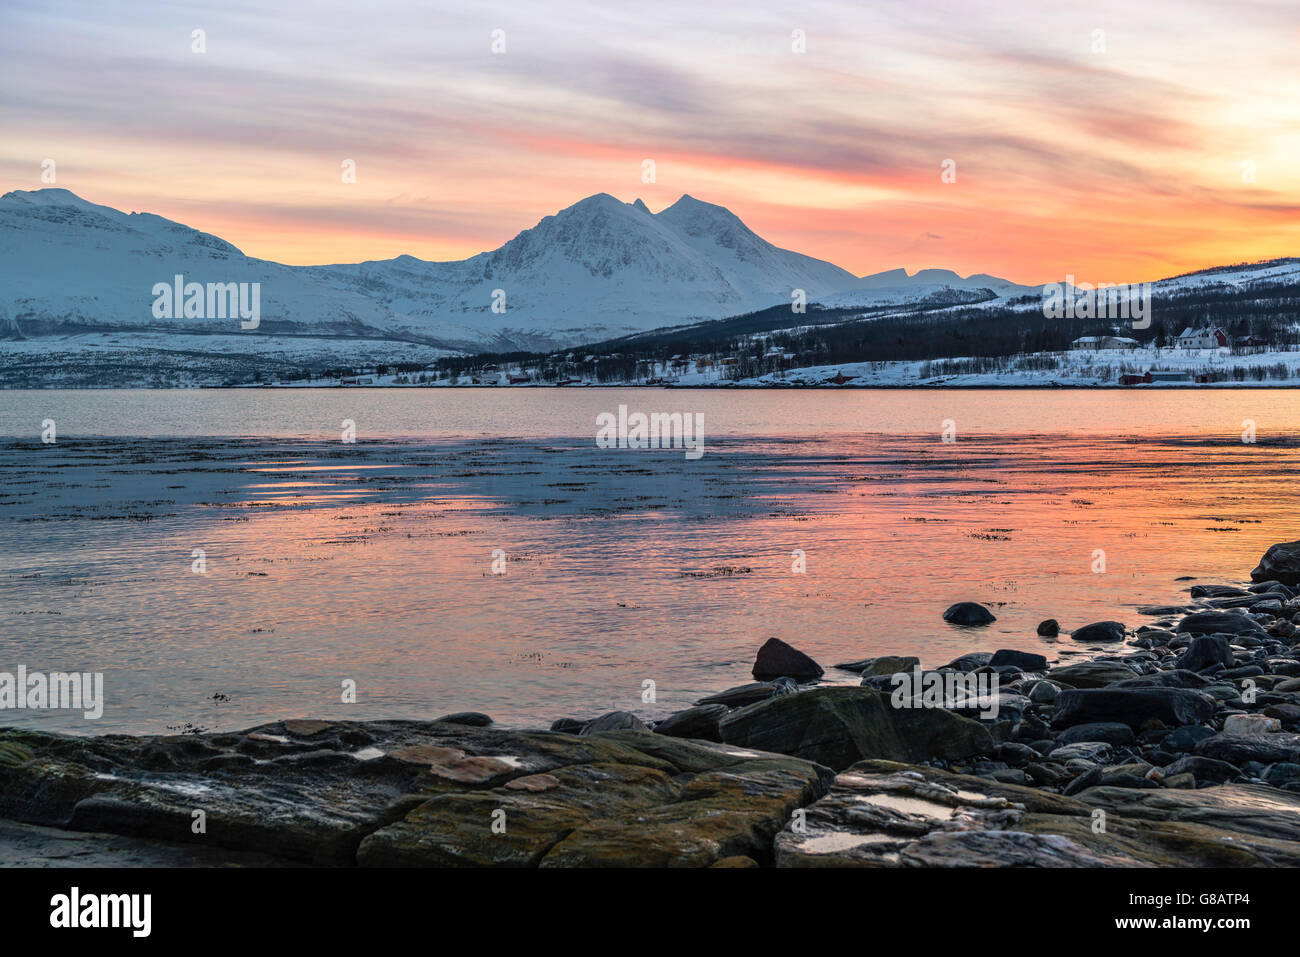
[70, 266]
[599, 268]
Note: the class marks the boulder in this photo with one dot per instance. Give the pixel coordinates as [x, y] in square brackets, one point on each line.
[1281, 563]
[1131, 706]
[1238, 749]
[884, 665]
[1220, 622]
[699, 722]
[1024, 660]
[1091, 674]
[1049, 628]
[742, 695]
[968, 613]
[1111, 732]
[1206, 651]
[837, 726]
[475, 719]
[1100, 631]
[776, 659]
[614, 721]
[969, 661]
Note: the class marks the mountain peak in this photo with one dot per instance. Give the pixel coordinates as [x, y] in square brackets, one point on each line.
[50, 196]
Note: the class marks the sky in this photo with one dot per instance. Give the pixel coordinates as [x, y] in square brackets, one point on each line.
[1111, 141]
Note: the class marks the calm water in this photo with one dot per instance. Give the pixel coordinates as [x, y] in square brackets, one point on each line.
[373, 561]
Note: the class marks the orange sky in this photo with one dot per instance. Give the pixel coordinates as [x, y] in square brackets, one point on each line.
[1165, 143]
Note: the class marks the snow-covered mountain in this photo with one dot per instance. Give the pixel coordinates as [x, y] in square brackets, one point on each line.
[599, 268]
[924, 287]
[68, 266]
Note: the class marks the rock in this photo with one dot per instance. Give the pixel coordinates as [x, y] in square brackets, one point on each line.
[475, 719]
[1288, 714]
[614, 721]
[534, 783]
[410, 792]
[1203, 769]
[884, 814]
[1131, 706]
[1281, 563]
[1217, 591]
[1096, 751]
[1043, 692]
[1174, 678]
[1091, 674]
[837, 726]
[1284, 772]
[1180, 781]
[1238, 813]
[1206, 651]
[1049, 628]
[1015, 753]
[1220, 622]
[1250, 724]
[1111, 732]
[968, 613]
[698, 722]
[970, 661]
[736, 861]
[776, 659]
[1024, 660]
[1240, 748]
[1100, 631]
[32, 846]
[1185, 739]
[567, 725]
[742, 695]
[1088, 778]
[636, 800]
[885, 665]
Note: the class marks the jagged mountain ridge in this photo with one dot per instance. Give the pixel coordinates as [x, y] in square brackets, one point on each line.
[598, 267]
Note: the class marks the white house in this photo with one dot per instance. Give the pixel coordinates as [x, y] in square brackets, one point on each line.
[1104, 342]
[1214, 338]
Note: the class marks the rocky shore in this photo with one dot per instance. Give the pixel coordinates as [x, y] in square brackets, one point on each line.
[1177, 744]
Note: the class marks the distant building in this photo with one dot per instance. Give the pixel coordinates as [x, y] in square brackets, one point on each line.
[1214, 338]
[1169, 377]
[1132, 378]
[1104, 342]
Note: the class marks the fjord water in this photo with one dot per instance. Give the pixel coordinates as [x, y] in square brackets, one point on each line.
[373, 562]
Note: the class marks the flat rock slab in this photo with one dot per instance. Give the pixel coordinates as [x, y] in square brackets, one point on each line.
[32, 845]
[838, 726]
[886, 814]
[411, 792]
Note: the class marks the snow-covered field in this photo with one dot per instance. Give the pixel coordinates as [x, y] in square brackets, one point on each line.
[167, 360]
[1075, 368]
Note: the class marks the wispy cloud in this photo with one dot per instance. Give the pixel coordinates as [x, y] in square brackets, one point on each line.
[1112, 152]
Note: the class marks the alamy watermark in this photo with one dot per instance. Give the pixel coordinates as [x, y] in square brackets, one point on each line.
[655, 430]
[57, 691]
[1106, 300]
[215, 300]
[946, 689]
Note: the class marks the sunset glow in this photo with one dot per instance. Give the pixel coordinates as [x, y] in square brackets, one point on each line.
[1120, 156]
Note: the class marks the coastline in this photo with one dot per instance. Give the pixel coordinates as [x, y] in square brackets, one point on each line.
[1174, 744]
